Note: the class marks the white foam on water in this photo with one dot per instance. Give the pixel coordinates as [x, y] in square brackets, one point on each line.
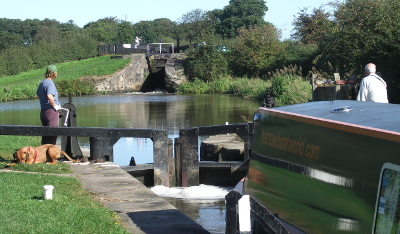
[201, 192]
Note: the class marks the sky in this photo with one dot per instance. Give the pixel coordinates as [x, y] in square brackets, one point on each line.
[280, 13]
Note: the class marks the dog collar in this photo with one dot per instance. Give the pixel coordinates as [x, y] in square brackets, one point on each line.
[36, 154]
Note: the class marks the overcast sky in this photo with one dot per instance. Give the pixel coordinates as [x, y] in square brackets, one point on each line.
[281, 12]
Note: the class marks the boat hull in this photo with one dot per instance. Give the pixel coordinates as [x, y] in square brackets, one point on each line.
[319, 171]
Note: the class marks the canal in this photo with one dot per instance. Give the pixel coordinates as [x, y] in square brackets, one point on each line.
[204, 204]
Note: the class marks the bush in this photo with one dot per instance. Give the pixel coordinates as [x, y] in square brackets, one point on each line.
[15, 60]
[196, 86]
[76, 87]
[255, 51]
[289, 90]
[248, 88]
[206, 62]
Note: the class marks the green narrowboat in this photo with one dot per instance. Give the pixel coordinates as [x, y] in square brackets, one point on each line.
[316, 167]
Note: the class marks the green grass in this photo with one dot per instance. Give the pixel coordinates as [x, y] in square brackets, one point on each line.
[248, 88]
[23, 209]
[72, 209]
[24, 85]
[291, 89]
[11, 143]
[97, 66]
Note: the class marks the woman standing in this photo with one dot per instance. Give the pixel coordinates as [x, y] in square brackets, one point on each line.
[48, 97]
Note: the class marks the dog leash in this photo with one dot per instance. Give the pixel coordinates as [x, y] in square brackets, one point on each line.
[36, 154]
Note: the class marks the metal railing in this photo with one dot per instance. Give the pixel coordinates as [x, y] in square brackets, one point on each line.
[160, 47]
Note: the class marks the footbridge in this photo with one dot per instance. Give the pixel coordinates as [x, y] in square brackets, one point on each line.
[153, 67]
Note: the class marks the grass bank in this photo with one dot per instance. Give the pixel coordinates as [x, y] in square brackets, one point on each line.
[248, 88]
[23, 209]
[72, 209]
[286, 89]
[71, 78]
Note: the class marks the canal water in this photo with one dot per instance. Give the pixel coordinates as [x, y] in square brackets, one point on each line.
[204, 204]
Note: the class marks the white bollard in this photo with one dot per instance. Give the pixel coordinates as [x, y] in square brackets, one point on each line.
[48, 192]
[244, 214]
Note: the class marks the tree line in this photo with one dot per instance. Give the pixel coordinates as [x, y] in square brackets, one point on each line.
[234, 41]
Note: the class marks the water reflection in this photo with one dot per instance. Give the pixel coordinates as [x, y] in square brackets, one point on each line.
[171, 112]
[204, 204]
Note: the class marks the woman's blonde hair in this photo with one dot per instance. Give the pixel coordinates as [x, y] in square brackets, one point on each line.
[51, 75]
[51, 71]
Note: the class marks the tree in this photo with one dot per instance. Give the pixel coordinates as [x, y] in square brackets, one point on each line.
[29, 29]
[69, 28]
[364, 31]
[164, 28]
[47, 34]
[126, 33]
[104, 30]
[255, 51]
[240, 14]
[196, 24]
[146, 31]
[311, 28]
[15, 60]
[11, 33]
[297, 53]
[9, 39]
[206, 62]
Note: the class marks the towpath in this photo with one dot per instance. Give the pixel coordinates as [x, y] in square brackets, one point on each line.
[141, 210]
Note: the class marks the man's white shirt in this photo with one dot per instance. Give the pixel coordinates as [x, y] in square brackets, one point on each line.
[372, 89]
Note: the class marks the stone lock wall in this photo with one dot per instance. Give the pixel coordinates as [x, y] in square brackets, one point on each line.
[132, 77]
[128, 79]
[174, 72]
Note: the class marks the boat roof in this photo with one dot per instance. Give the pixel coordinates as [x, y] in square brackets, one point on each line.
[370, 114]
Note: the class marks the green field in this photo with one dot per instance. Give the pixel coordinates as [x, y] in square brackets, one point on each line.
[24, 85]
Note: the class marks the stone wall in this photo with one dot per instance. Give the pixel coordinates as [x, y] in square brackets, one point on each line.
[128, 79]
[132, 77]
[174, 72]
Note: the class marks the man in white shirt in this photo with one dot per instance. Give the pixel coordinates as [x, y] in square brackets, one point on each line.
[372, 87]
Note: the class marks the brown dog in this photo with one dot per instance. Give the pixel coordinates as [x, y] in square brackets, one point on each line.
[42, 154]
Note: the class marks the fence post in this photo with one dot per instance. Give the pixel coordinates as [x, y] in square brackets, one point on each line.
[101, 149]
[190, 157]
[314, 87]
[232, 216]
[171, 164]
[337, 93]
[178, 166]
[160, 152]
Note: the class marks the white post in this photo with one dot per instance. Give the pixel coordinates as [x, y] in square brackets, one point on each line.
[48, 192]
[244, 214]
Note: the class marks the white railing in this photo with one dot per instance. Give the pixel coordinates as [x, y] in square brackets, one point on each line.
[160, 44]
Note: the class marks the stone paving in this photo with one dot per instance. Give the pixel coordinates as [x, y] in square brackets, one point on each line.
[141, 209]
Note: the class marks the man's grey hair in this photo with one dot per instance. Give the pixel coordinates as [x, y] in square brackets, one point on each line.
[370, 68]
